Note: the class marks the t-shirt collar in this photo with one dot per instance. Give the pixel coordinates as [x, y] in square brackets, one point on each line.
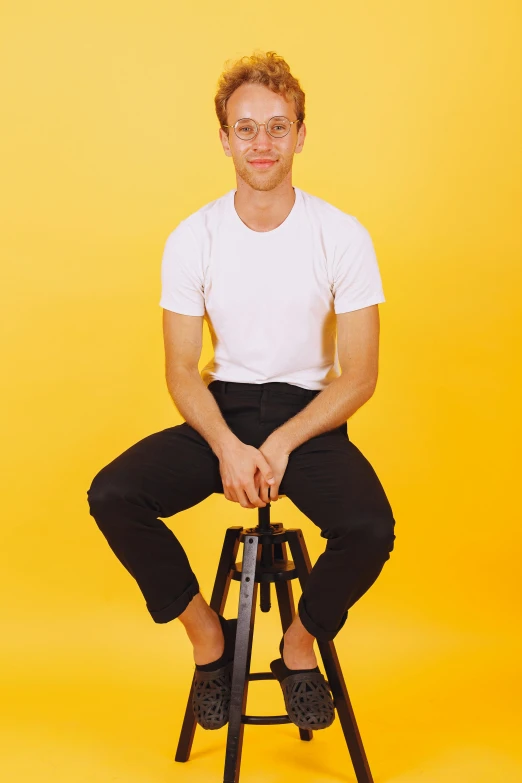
[288, 221]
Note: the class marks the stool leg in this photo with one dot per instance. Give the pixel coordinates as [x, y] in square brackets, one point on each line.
[264, 587]
[285, 600]
[242, 655]
[333, 670]
[227, 561]
[217, 602]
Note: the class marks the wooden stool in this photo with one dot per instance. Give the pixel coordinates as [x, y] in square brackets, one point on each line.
[264, 561]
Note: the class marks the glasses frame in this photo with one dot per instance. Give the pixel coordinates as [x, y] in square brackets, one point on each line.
[258, 125]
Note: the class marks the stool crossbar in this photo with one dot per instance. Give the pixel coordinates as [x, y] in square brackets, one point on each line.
[265, 561]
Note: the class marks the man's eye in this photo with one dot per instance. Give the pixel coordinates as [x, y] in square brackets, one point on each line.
[245, 128]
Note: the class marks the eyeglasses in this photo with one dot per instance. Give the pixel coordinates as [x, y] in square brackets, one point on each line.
[247, 128]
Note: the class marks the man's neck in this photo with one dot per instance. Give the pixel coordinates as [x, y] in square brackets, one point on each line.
[264, 210]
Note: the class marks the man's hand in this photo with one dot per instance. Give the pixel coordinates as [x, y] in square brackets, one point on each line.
[238, 465]
[277, 457]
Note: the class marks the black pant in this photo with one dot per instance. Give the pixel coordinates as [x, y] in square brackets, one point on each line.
[326, 477]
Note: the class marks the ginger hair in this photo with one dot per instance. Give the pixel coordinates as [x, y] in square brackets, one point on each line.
[267, 68]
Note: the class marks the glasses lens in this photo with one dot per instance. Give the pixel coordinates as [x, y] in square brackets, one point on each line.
[246, 129]
[279, 126]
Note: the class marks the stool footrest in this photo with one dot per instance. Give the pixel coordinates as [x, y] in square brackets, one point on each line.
[268, 676]
[261, 676]
[262, 720]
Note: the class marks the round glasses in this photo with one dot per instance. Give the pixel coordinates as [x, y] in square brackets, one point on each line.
[247, 128]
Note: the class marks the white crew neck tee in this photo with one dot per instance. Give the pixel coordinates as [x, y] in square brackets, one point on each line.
[270, 297]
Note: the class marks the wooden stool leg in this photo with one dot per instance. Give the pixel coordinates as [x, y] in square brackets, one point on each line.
[242, 655]
[217, 602]
[285, 599]
[333, 670]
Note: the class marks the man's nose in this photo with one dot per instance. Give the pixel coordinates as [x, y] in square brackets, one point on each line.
[263, 139]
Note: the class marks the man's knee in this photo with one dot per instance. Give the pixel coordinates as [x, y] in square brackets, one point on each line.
[108, 488]
[372, 535]
[381, 533]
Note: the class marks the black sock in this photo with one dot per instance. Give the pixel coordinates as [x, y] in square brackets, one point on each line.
[228, 652]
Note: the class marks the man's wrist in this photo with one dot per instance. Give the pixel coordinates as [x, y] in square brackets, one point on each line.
[223, 441]
[278, 440]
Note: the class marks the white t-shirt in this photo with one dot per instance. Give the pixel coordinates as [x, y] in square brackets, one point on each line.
[270, 297]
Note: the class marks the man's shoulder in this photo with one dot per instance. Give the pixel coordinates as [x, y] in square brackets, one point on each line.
[196, 223]
[332, 216]
[209, 213]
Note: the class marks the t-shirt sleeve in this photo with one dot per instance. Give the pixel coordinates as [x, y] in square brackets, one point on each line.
[356, 278]
[181, 273]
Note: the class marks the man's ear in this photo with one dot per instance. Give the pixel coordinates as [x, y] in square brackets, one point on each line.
[224, 141]
[301, 135]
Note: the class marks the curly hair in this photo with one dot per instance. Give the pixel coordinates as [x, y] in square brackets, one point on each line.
[267, 68]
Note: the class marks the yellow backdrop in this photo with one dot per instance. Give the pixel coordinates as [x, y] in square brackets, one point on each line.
[109, 138]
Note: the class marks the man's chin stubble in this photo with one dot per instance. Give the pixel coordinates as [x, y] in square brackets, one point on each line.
[263, 182]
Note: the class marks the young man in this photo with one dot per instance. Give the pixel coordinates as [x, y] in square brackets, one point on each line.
[277, 273]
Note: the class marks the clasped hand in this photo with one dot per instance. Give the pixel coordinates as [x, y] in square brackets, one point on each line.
[247, 472]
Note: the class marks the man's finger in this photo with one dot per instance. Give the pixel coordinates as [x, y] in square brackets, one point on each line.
[263, 491]
[252, 495]
[265, 469]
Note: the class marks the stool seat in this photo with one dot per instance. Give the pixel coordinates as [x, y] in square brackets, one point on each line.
[265, 562]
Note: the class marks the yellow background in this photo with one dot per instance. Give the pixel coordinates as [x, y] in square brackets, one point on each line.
[109, 138]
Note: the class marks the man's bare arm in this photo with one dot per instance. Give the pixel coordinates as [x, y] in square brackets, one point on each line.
[358, 350]
[238, 461]
[182, 336]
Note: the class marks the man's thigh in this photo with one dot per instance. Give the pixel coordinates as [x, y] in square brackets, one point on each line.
[169, 471]
[329, 479]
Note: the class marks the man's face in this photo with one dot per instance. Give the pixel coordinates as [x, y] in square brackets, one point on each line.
[257, 102]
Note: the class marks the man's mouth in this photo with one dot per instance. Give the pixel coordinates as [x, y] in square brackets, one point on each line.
[262, 163]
